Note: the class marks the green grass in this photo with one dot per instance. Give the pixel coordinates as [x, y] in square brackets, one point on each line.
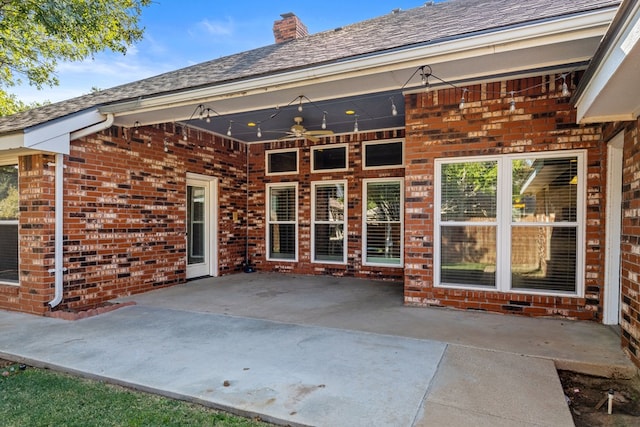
[36, 397]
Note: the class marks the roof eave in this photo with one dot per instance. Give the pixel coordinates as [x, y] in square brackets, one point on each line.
[604, 94]
[589, 24]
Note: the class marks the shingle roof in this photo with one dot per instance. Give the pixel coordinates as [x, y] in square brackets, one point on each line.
[428, 24]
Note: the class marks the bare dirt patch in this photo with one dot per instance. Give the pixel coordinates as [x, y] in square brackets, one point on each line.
[588, 400]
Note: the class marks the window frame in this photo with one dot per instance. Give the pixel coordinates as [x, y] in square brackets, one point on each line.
[365, 186]
[269, 222]
[505, 223]
[367, 144]
[314, 222]
[329, 147]
[268, 153]
[12, 162]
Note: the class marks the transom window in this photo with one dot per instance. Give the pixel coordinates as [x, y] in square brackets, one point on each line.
[383, 154]
[512, 223]
[383, 224]
[332, 157]
[282, 219]
[329, 221]
[281, 162]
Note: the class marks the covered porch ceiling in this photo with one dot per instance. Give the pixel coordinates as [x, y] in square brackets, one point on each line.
[365, 86]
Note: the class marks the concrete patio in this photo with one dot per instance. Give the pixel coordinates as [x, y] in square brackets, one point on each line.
[324, 351]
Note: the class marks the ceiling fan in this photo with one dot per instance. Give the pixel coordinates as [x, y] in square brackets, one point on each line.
[299, 131]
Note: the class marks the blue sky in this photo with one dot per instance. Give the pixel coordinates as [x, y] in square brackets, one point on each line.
[180, 33]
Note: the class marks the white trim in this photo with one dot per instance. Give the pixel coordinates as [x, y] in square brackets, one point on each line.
[606, 71]
[314, 185]
[210, 184]
[329, 147]
[613, 221]
[367, 144]
[268, 221]
[365, 183]
[267, 153]
[55, 136]
[504, 222]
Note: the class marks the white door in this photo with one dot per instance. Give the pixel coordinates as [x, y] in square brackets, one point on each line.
[201, 226]
[612, 289]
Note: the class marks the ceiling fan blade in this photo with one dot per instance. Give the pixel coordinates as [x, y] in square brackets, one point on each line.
[320, 132]
[311, 138]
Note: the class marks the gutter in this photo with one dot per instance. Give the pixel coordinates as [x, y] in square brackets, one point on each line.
[58, 268]
[92, 129]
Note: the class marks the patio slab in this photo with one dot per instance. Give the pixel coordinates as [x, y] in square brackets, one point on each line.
[324, 351]
[285, 373]
[377, 306]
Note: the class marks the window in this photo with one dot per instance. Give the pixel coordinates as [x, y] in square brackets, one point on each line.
[383, 226]
[383, 154]
[9, 211]
[329, 158]
[329, 221]
[282, 218]
[281, 162]
[511, 223]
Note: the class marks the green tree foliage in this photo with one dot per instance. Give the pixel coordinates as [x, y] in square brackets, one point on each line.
[8, 192]
[469, 190]
[36, 34]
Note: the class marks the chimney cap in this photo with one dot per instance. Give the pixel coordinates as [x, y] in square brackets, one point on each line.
[287, 15]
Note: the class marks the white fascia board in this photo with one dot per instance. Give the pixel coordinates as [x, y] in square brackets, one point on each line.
[54, 136]
[563, 29]
[11, 141]
[608, 66]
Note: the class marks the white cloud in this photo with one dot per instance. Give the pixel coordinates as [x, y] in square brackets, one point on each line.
[216, 28]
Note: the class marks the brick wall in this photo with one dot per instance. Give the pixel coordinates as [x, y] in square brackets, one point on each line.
[543, 121]
[354, 176]
[125, 215]
[35, 230]
[630, 243]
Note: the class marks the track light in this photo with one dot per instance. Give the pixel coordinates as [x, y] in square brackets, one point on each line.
[462, 102]
[166, 146]
[324, 120]
[355, 125]
[229, 129]
[136, 125]
[259, 134]
[394, 110]
[512, 104]
[300, 105]
[565, 87]
[184, 133]
[208, 119]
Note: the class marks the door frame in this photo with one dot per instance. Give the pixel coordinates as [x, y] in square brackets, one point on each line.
[211, 224]
[612, 290]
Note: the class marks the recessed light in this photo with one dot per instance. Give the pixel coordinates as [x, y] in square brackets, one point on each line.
[251, 124]
[350, 112]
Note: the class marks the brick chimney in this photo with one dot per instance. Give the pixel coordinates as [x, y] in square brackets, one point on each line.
[289, 28]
